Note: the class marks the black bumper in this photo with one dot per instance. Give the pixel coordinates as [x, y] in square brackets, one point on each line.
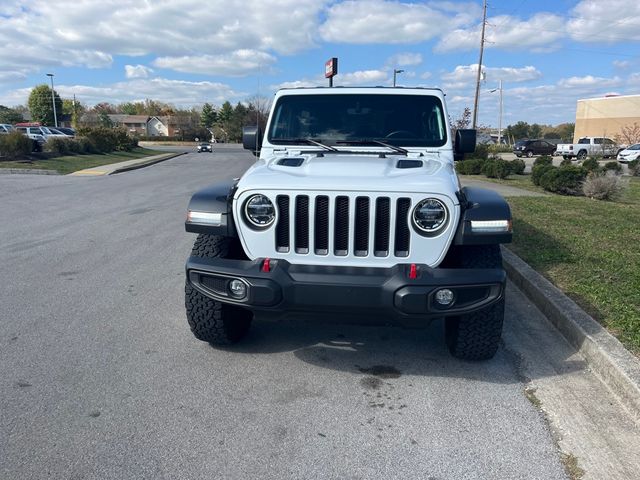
[384, 292]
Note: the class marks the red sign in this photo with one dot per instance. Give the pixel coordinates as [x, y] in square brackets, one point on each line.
[331, 68]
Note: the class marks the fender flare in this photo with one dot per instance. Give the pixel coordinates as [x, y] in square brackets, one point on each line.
[481, 204]
[215, 198]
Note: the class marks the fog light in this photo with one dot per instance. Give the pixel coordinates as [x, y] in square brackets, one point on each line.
[444, 296]
[237, 289]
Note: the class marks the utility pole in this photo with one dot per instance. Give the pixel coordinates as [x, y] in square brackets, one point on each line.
[500, 116]
[475, 102]
[53, 100]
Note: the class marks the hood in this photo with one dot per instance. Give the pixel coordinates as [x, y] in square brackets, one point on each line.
[352, 172]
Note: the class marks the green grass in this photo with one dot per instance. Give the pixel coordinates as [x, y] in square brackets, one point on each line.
[72, 163]
[517, 181]
[590, 249]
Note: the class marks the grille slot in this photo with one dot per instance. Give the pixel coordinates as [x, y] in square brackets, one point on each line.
[282, 228]
[321, 241]
[401, 247]
[361, 227]
[341, 237]
[302, 224]
[381, 243]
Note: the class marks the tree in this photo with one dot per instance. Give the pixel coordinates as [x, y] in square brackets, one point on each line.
[208, 116]
[41, 106]
[238, 119]
[73, 108]
[9, 115]
[105, 121]
[535, 131]
[518, 131]
[566, 131]
[461, 122]
[104, 107]
[629, 134]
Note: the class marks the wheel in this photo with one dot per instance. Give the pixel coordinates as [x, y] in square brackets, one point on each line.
[401, 133]
[582, 154]
[211, 321]
[529, 154]
[565, 157]
[476, 336]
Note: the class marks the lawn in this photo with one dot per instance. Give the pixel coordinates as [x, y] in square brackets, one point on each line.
[72, 163]
[588, 248]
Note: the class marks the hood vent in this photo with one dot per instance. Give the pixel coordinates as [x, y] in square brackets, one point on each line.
[290, 162]
[409, 164]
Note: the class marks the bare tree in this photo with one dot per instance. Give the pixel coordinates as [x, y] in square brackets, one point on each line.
[629, 134]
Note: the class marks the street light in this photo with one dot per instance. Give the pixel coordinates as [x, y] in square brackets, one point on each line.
[499, 89]
[53, 100]
[395, 72]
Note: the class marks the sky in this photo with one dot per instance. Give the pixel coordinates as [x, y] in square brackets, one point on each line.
[548, 54]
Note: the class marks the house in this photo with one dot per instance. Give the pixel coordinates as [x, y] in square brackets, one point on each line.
[136, 124]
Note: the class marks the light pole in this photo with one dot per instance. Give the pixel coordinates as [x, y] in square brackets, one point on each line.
[53, 100]
[395, 72]
[500, 115]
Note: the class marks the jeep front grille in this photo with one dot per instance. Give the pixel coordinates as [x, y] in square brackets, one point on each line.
[358, 226]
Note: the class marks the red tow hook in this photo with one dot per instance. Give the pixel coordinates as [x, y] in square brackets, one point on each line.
[266, 265]
[413, 271]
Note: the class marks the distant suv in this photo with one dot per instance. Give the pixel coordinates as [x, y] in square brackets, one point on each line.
[529, 148]
[353, 209]
[204, 147]
[6, 128]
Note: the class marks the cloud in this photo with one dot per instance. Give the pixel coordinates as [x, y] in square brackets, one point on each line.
[404, 60]
[465, 75]
[379, 21]
[590, 81]
[613, 21]
[137, 71]
[362, 78]
[235, 64]
[621, 64]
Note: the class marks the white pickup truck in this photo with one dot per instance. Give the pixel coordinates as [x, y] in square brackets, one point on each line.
[588, 146]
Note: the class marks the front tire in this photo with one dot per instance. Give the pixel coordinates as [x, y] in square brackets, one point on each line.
[529, 154]
[211, 321]
[476, 336]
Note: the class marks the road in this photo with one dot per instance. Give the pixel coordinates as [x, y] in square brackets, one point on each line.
[101, 377]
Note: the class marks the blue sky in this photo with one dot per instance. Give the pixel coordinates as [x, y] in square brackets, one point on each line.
[547, 53]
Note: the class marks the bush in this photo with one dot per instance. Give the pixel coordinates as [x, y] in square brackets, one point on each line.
[634, 168]
[565, 161]
[543, 160]
[517, 166]
[591, 165]
[538, 171]
[601, 186]
[469, 167]
[496, 148]
[105, 139]
[481, 152]
[57, 145]
[614, 167]
[566, 180]
[15, 145]
[496, 168]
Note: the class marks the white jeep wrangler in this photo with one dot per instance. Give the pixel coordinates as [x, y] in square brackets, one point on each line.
[353, 209]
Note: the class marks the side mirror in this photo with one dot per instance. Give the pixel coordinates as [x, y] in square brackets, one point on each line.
[251, 139]
[465, 142]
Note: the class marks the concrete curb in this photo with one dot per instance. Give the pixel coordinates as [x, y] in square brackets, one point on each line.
[147, 163]
[606, 356]
[27, 171]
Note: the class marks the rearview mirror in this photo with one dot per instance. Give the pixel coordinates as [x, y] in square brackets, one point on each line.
[251, 139]
[465, 142]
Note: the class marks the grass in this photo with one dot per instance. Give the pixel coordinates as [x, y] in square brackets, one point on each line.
[590, 249]
[72, 163]
[517, 181]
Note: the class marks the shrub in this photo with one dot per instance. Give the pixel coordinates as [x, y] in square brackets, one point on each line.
[566, 180]
[481, 151]
[565, 161]
[591, 164]
[634, 168]
[543, 160]
[614, 167]
[496, 168]
[469, 167]
[537, 171]
[600, 186]
[15, 145]
[105, 139]
[86, 145]
[517, 166]
[497, 148]
[74, 146]
[57, 145]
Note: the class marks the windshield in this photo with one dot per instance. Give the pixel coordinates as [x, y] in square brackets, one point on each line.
[584, 141]
[634, 147]
[407, 120]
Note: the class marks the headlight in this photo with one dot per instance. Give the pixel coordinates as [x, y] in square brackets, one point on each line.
[429, 215]
[259, 211]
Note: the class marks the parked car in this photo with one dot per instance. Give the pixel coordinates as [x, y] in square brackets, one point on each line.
[205, 147]
[69, 132]
[6, 128]
[588, 146]
[629, 154]
[529, 148]
[45, 132]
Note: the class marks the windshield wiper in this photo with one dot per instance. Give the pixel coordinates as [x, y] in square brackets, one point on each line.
[308, 141]
[374, 142]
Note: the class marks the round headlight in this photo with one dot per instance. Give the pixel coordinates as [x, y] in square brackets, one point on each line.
[260, 211]
[429, 215]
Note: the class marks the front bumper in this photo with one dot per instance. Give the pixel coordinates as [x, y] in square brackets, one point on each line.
[380, 292]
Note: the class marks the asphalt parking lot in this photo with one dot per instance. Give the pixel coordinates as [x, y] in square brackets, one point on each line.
[101, 377]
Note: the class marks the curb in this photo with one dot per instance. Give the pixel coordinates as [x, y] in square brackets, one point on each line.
[27, 171]
[143, 164]
[606, 356]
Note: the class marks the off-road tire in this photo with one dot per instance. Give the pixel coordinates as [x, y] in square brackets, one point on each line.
[211, 321]
[476, 336]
